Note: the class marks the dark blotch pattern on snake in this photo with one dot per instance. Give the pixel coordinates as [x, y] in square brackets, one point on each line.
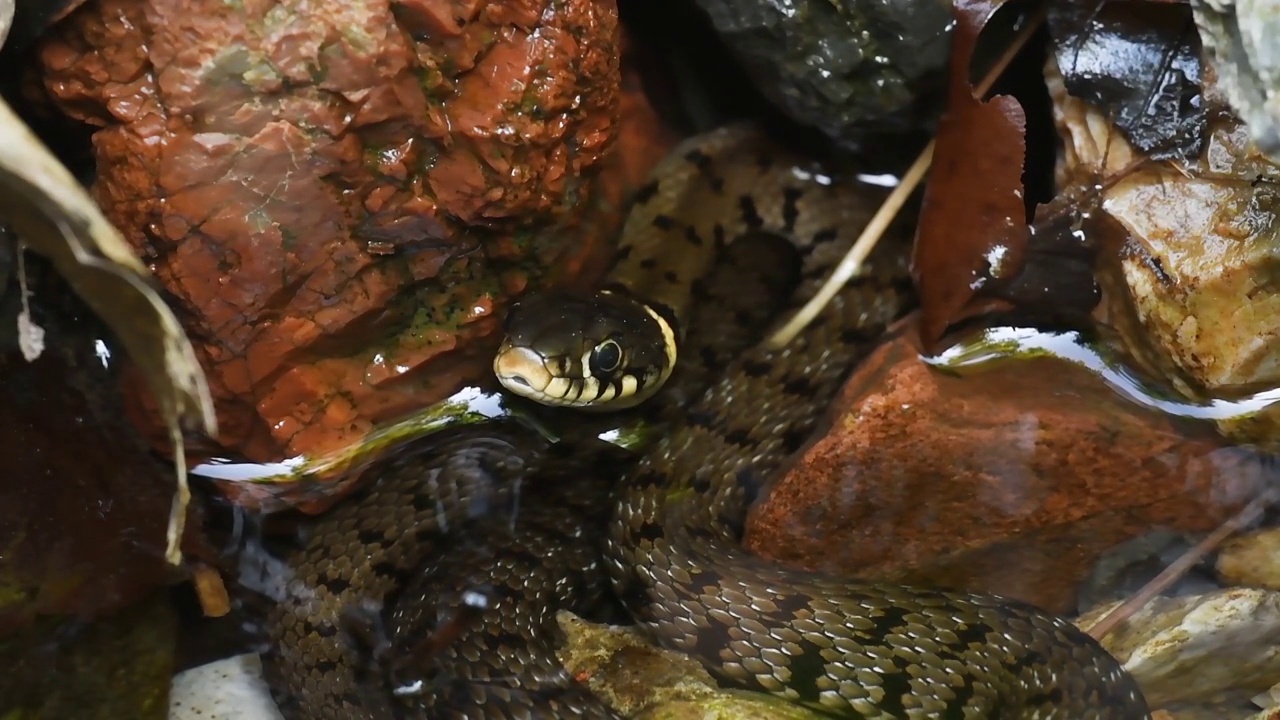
[851, 648]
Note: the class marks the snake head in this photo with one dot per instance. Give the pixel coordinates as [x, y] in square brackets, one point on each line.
[606, 351]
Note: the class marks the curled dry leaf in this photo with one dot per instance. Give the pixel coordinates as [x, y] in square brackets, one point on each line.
[973, 226]
[55, 217]
[6, 19]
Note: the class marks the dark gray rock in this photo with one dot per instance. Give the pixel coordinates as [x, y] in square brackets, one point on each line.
[838, 65]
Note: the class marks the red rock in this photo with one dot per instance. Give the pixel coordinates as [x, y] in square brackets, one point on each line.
[1010, 480]
[342, 202]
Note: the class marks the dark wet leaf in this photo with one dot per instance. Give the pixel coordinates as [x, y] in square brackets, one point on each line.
[53, 215]
[1056, 281]
[1140, 63]
[973, 223]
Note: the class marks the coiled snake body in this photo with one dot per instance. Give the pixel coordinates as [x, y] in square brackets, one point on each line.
[850, 648]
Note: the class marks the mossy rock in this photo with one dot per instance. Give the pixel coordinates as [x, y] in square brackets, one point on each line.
[116, 667]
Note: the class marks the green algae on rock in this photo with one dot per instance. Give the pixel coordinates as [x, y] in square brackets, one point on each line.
[116, 667]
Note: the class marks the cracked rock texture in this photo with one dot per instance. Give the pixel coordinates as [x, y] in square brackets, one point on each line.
[340, 197]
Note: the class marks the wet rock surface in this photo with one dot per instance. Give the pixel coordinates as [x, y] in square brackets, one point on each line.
[1011, 480]
[342, 196]
[1251, 559]
[1237, 39]
[839, 67]
[1207, 656]
[1128, 567]
[227, 689]
[1189, 262]
[643, 681]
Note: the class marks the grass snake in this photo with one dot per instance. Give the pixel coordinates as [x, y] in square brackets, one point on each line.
[373, 623]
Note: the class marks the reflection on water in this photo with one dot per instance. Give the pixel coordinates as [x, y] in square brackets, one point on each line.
[1011, 477]
[1008, 342]
[402, 587]
[1035, 472]
[469, 405]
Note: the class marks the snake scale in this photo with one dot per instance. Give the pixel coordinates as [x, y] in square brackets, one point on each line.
[373, 621]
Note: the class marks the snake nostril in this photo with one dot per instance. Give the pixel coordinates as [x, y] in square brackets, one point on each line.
[519, 380]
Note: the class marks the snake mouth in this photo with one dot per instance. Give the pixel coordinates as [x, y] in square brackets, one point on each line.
[522, 371]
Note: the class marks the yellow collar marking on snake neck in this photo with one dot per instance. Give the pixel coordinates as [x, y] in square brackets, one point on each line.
[668, 343]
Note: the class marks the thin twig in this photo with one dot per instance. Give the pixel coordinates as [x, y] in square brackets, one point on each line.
[181, 499]
[1179, 567]
[30, 335]
[875, 229]
[857, 254]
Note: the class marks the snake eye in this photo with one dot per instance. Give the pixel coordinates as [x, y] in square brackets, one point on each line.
[605, 357]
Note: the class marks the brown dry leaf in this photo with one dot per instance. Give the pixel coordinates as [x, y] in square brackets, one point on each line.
[53, 215]
[973, 222]
[211, 591]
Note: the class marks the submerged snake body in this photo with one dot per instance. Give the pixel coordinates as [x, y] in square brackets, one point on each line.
[379, 575]
[857, 649]
[854, 649]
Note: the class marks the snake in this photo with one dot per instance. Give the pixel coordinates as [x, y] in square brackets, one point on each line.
[411, 601]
